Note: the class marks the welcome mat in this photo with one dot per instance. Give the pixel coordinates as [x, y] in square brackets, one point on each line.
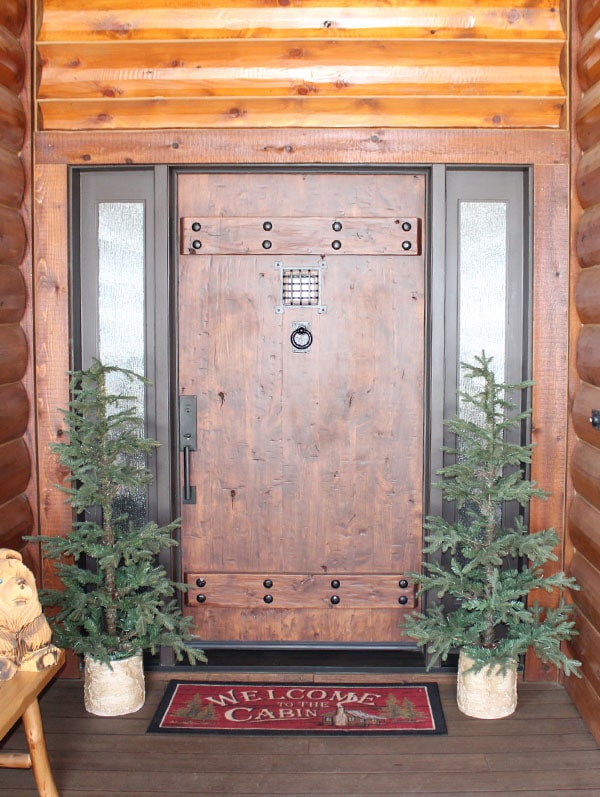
[267, 708]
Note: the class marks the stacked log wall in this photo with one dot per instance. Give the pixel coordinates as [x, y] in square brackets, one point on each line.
[16, 516]
[584, 510]
[292, 63]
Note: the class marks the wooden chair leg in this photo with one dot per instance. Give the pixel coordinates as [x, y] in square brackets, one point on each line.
[15, 760]
[34, 733]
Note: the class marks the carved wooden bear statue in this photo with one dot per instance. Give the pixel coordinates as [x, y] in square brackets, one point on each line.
[24, 631]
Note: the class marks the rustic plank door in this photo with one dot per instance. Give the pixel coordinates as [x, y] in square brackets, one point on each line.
[301, 335]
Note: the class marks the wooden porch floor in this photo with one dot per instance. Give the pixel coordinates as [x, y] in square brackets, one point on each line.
[543, 750]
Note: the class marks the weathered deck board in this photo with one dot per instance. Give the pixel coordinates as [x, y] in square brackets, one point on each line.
[543, 750]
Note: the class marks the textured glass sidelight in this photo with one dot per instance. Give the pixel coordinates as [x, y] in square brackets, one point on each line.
[121, 284]
[482, 263]
[121, 307]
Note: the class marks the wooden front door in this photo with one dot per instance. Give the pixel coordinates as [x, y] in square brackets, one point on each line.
[301, 335]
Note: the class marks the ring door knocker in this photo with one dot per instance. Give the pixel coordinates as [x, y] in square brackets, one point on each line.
[301, 338]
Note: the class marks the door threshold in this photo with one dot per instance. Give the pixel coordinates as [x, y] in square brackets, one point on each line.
[361, 660]
[342, 658]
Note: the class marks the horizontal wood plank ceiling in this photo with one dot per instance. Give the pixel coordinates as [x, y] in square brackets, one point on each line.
[124, 64]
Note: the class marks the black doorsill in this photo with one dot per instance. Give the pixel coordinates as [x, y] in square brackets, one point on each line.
[280, 659]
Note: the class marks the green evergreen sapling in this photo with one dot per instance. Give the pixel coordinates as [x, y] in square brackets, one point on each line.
[489, 617]
[125, 602]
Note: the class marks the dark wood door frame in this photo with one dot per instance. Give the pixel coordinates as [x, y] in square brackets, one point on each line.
[547, 151]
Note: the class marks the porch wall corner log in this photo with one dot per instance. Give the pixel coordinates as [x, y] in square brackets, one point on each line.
[13, 14]
[587, 699]
[588, 363]
[584, 462]
[16, 515]
[16, 519]
[15, 467]
[585, 647]
[14, 411]
[587, 295]
[585, 529]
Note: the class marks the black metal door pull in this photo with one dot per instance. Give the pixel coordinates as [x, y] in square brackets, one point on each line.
[187, 443]
[301, 338]
[188, 490]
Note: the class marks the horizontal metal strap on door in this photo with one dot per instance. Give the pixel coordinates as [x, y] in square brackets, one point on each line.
[300, 591]
[217, 235]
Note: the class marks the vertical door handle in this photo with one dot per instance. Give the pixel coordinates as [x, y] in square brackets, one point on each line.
[187, 443]
[189, 492]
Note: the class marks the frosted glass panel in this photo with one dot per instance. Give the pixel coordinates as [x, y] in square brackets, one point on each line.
[121, 310]
[121, 284]
[483, 255]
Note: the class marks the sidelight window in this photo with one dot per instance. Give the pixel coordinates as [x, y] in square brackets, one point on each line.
[120, 310]
[487, 276]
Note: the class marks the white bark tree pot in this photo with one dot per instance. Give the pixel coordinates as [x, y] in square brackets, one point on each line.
[487, 694]
[111, 693]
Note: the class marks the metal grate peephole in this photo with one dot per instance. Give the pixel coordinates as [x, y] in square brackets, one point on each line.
[301, 287]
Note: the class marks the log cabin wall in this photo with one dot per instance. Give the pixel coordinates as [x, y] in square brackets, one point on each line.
[584, 512]
[16, 517]
[279, 82]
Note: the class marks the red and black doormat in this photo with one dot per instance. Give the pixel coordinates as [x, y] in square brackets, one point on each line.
[266, 708]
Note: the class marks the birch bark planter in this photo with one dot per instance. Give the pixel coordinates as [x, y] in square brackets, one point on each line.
[487, 694]
[111, 693]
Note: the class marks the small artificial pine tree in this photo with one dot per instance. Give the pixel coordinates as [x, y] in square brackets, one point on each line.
[489, 617]
[124, 603]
